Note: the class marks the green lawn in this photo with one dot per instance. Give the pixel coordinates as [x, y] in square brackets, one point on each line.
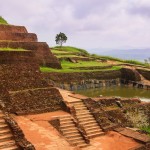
[66, 67]
[69, 49]
[147, 129]
[12, 49]
[3, 21]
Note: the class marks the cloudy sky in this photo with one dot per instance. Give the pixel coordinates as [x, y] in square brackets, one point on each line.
[87, 23]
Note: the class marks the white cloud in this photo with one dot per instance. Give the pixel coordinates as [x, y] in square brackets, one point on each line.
[87, 23]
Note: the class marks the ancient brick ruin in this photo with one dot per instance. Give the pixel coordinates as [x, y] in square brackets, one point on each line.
[23, 88]
[18, 37]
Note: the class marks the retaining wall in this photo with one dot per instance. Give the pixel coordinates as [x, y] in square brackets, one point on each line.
[12, 28]
[10, 36]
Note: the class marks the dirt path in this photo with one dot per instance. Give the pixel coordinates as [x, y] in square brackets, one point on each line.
[44, 137]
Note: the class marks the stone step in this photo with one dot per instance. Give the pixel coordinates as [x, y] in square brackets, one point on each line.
[92, 135]
[65, 118]
[81, 116]
[12, 28]
[90, 125]
[77, 102]
[9, 36]
[3, 126]
[70, 132]
[79, 105]
[6, 137]
[2, 121]
[69, 129]
[4, 131]
[78, 142]
[67, 125]
[86, 119]
[75, 138]
[66, 122]
[82, 145]
[92, 128]
[1, 115]
[7, 144]
[93, 131]
[73, 135]
[80, 108]
[87, 122]
[82, 112]
[11, 148]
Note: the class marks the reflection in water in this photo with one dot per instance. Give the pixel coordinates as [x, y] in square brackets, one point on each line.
[121, 91]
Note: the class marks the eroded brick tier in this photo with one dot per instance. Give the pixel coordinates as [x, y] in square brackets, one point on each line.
[12, 28]
[18, 37]
[23, 89]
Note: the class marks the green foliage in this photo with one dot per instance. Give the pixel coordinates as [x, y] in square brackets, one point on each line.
[12, 49]
[147, 129]
[3, 21]
[67, 67]
[60, 38]
[135, 62]
[70, 49]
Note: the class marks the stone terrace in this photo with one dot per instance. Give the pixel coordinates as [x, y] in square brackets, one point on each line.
[18, 37]
[23, 88]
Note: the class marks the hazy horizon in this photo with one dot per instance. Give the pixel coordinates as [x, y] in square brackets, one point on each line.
[88, 23]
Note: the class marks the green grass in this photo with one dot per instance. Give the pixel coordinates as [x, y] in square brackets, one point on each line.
[65, 56]
[3, 21]
[12, 49]
[147, 129]
[67, 64]
[67, 70]
[134, 62]
[70, 49]
[66, 67]
[59, 52]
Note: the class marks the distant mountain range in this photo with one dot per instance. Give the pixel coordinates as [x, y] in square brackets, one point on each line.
[136, 54]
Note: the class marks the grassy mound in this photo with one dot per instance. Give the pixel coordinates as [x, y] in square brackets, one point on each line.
[3, 21]
[69, 49]
[79, 60]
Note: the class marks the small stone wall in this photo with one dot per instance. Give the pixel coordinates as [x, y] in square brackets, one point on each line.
[18, 134]
[130, 74]
[16, 57]
[83, 80]
[12, 28]
[20, 77]
[41, 49]
[139, 115]
[124, 112]
[88, 84]
[145, 73]
[26, 37]
[36, 101]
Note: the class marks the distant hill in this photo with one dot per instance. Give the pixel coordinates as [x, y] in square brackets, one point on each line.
[132, 54]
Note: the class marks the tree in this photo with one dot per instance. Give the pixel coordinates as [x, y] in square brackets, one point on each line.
[60, 39]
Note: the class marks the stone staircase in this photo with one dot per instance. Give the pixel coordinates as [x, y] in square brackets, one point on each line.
[6, 138]
[71, 132]
[86, 119]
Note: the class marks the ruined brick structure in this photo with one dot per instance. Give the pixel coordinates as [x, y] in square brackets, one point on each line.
[23, 88]
[18, 37]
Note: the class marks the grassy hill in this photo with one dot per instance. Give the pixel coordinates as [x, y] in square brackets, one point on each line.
[3, 21]
[79, 60]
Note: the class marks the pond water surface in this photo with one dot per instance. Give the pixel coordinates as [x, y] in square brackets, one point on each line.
[121, 91]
